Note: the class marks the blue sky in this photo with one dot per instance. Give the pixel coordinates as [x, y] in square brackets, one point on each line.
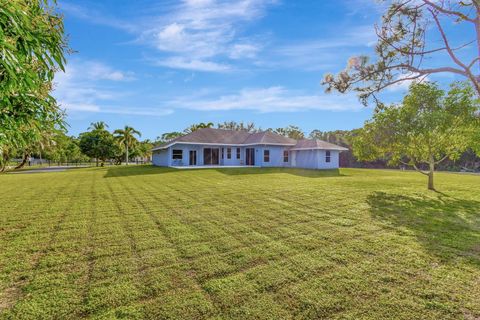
[160, 66]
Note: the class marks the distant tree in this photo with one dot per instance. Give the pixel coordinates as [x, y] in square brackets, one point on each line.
[407, 48]
[99, 144]
[238, 126]
[427, 128]
[65, 149]
[195, 127]
[126, 137]
[98, 125]
[290, 131]
[168, 136]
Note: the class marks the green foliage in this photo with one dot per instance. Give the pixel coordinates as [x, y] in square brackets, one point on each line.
[290, 131]
[32, 46]
[99, 144]
[428, 127]
[238, 126]
[126, 139]
[197, 126]
[142, 242]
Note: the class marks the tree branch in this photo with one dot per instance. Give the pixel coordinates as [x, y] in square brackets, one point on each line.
[448, 12]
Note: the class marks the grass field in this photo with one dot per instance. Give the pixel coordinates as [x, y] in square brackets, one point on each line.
[143, 242]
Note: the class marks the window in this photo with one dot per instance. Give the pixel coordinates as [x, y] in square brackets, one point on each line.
[327, 156]
[238, 153]
[285, 156]
[223, 149]
[266, 155]
[229, 153]
[177, 154]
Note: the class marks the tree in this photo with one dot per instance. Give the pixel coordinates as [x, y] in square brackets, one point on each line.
[407, 46]
[98, 144]
[195, 127]
[168, 136]
[427, 128]
[238, 126]
[32, 46]
[126, 137]
[293, 132]
[98, 125]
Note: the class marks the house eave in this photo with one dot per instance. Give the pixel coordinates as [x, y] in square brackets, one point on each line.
[223, 144]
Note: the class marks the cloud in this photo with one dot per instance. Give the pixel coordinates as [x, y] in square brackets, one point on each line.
[198, 65]
[85, 86]
[96, 17]
[195, 33]
[270, 99]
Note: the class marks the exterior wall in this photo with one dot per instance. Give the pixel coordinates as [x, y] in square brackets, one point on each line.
[160, 158]
[316, 159]
[334, 160]
[309, 159]
[276, 156]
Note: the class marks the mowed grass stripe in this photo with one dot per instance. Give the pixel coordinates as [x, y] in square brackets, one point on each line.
[153, 243]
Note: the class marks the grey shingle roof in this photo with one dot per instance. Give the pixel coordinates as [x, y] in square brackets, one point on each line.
[231, 137]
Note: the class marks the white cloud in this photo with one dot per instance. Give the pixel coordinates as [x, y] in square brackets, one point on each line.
[198, 65]
[82, 88]
[271, 99]
[196, 32]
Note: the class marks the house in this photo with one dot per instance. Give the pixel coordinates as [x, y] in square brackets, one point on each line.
[217, 147]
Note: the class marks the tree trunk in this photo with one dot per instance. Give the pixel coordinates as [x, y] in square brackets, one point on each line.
[24, 161]
[430, 173]
[96, 162]
[126, 157]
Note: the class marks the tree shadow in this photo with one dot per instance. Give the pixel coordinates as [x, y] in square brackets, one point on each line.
[309, 173]
[137, 170]
[447, 227]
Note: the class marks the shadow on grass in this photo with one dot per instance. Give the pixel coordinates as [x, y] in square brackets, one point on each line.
[296, 172]
[447, 227]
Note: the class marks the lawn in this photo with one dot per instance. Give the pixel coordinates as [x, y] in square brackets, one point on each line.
[144, 242]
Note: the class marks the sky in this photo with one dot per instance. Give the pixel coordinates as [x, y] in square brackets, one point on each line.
[160, 66]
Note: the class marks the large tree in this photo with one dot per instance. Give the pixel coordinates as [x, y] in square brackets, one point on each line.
[98, 144]
[428, 127]
[126, 138]
[413, 43]
[32, 49]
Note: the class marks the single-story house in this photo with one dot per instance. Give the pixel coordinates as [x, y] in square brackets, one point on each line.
[217, 147]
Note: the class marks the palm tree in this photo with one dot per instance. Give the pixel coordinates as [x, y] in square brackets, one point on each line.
[126, 137]
[99, 125]
[201, 125]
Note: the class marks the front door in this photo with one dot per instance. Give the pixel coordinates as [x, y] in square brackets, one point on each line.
[211, 156]
[193, 158]
[250, 156]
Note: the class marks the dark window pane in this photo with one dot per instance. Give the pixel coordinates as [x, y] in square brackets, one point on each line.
[177, 154]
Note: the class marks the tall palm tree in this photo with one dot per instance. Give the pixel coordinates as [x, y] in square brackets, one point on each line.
[99, 125]
[126, 137]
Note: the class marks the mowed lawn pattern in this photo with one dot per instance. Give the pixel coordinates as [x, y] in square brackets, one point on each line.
[144, 242]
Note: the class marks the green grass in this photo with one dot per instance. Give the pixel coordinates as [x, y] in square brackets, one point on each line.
[144, 242]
